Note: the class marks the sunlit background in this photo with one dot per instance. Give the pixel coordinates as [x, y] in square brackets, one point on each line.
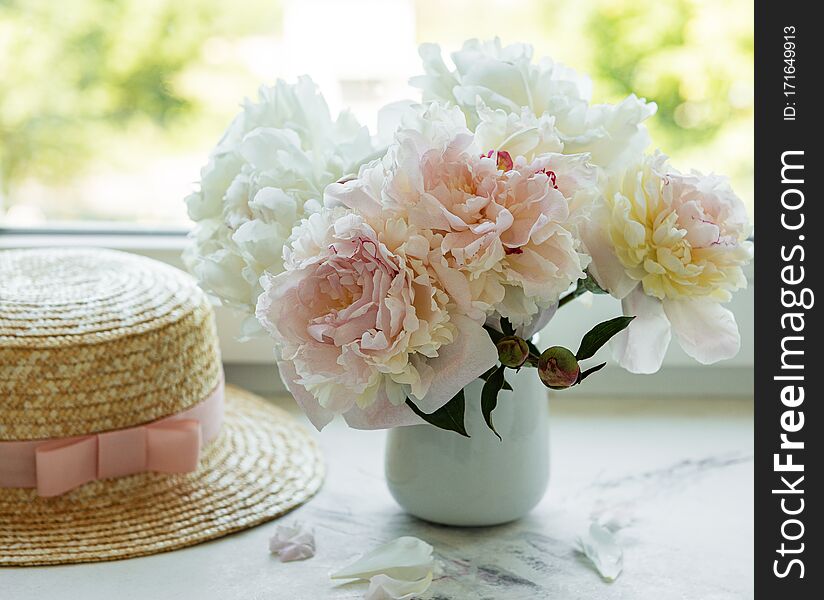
[108, 108]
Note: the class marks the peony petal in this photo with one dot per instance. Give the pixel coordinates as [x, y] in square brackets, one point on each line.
[260, 148]
[605, 267]
[382, 414]
[260, 243]
[640, 348]
[406, 558]
[705, 330]
[601, 548]
[454, 283]
[319, 416]
[274, 204]
[383, 587]
[298, 550]
[613, 134]
[353, 194]
[292, 542]
[538, 322]
[220, 273]
[390, 119]
[469, 356]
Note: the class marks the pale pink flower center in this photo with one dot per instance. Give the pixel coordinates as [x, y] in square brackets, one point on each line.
[489, 206]
[346, 292]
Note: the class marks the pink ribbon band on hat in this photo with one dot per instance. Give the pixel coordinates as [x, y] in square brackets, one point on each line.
[169, 445]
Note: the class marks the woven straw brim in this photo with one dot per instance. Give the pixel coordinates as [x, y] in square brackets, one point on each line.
[263, 465]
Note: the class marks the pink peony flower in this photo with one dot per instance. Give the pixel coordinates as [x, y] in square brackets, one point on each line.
[501, 232]
[361, 323]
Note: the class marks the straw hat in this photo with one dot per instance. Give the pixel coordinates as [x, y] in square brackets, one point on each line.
[106, 358]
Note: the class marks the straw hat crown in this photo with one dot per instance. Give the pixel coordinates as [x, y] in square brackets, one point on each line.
[93, 340]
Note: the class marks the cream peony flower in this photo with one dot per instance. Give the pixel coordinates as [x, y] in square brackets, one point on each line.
[498, 225]
[266, 173]
[361, 324]
[490, 75]
[672, 247]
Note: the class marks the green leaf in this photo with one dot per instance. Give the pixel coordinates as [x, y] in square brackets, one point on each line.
[600, 335]
[506, 386]
[507, 327]
[489, 396]
[584, 374]
[486, 376]
[450, 416]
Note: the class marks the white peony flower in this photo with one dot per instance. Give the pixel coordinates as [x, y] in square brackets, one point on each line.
[520, 133]
[501, 226]
[267, 172]
[671, 246]
[490, 75]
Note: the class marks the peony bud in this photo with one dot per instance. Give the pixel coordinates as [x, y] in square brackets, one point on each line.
[512, 351]
[558, 368]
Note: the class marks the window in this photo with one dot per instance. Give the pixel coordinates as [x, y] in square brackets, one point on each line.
[108, 109]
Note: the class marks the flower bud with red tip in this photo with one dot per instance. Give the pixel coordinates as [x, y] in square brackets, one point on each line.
[558, 368]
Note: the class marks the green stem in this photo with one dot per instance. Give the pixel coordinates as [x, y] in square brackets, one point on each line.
[571, 296]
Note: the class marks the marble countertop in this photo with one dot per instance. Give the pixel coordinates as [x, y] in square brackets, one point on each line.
[678, 472]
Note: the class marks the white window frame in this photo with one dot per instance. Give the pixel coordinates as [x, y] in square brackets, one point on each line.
[251, 364]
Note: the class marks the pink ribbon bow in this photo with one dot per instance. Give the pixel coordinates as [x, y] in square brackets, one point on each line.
[170, 445]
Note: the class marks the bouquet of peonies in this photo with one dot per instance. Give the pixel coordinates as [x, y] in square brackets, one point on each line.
[392, 277]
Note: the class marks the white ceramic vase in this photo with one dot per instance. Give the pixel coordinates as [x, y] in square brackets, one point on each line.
[443, 477]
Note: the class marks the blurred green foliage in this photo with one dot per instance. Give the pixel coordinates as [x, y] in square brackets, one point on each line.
[80, 80]
[695, 59]
[74, 72]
